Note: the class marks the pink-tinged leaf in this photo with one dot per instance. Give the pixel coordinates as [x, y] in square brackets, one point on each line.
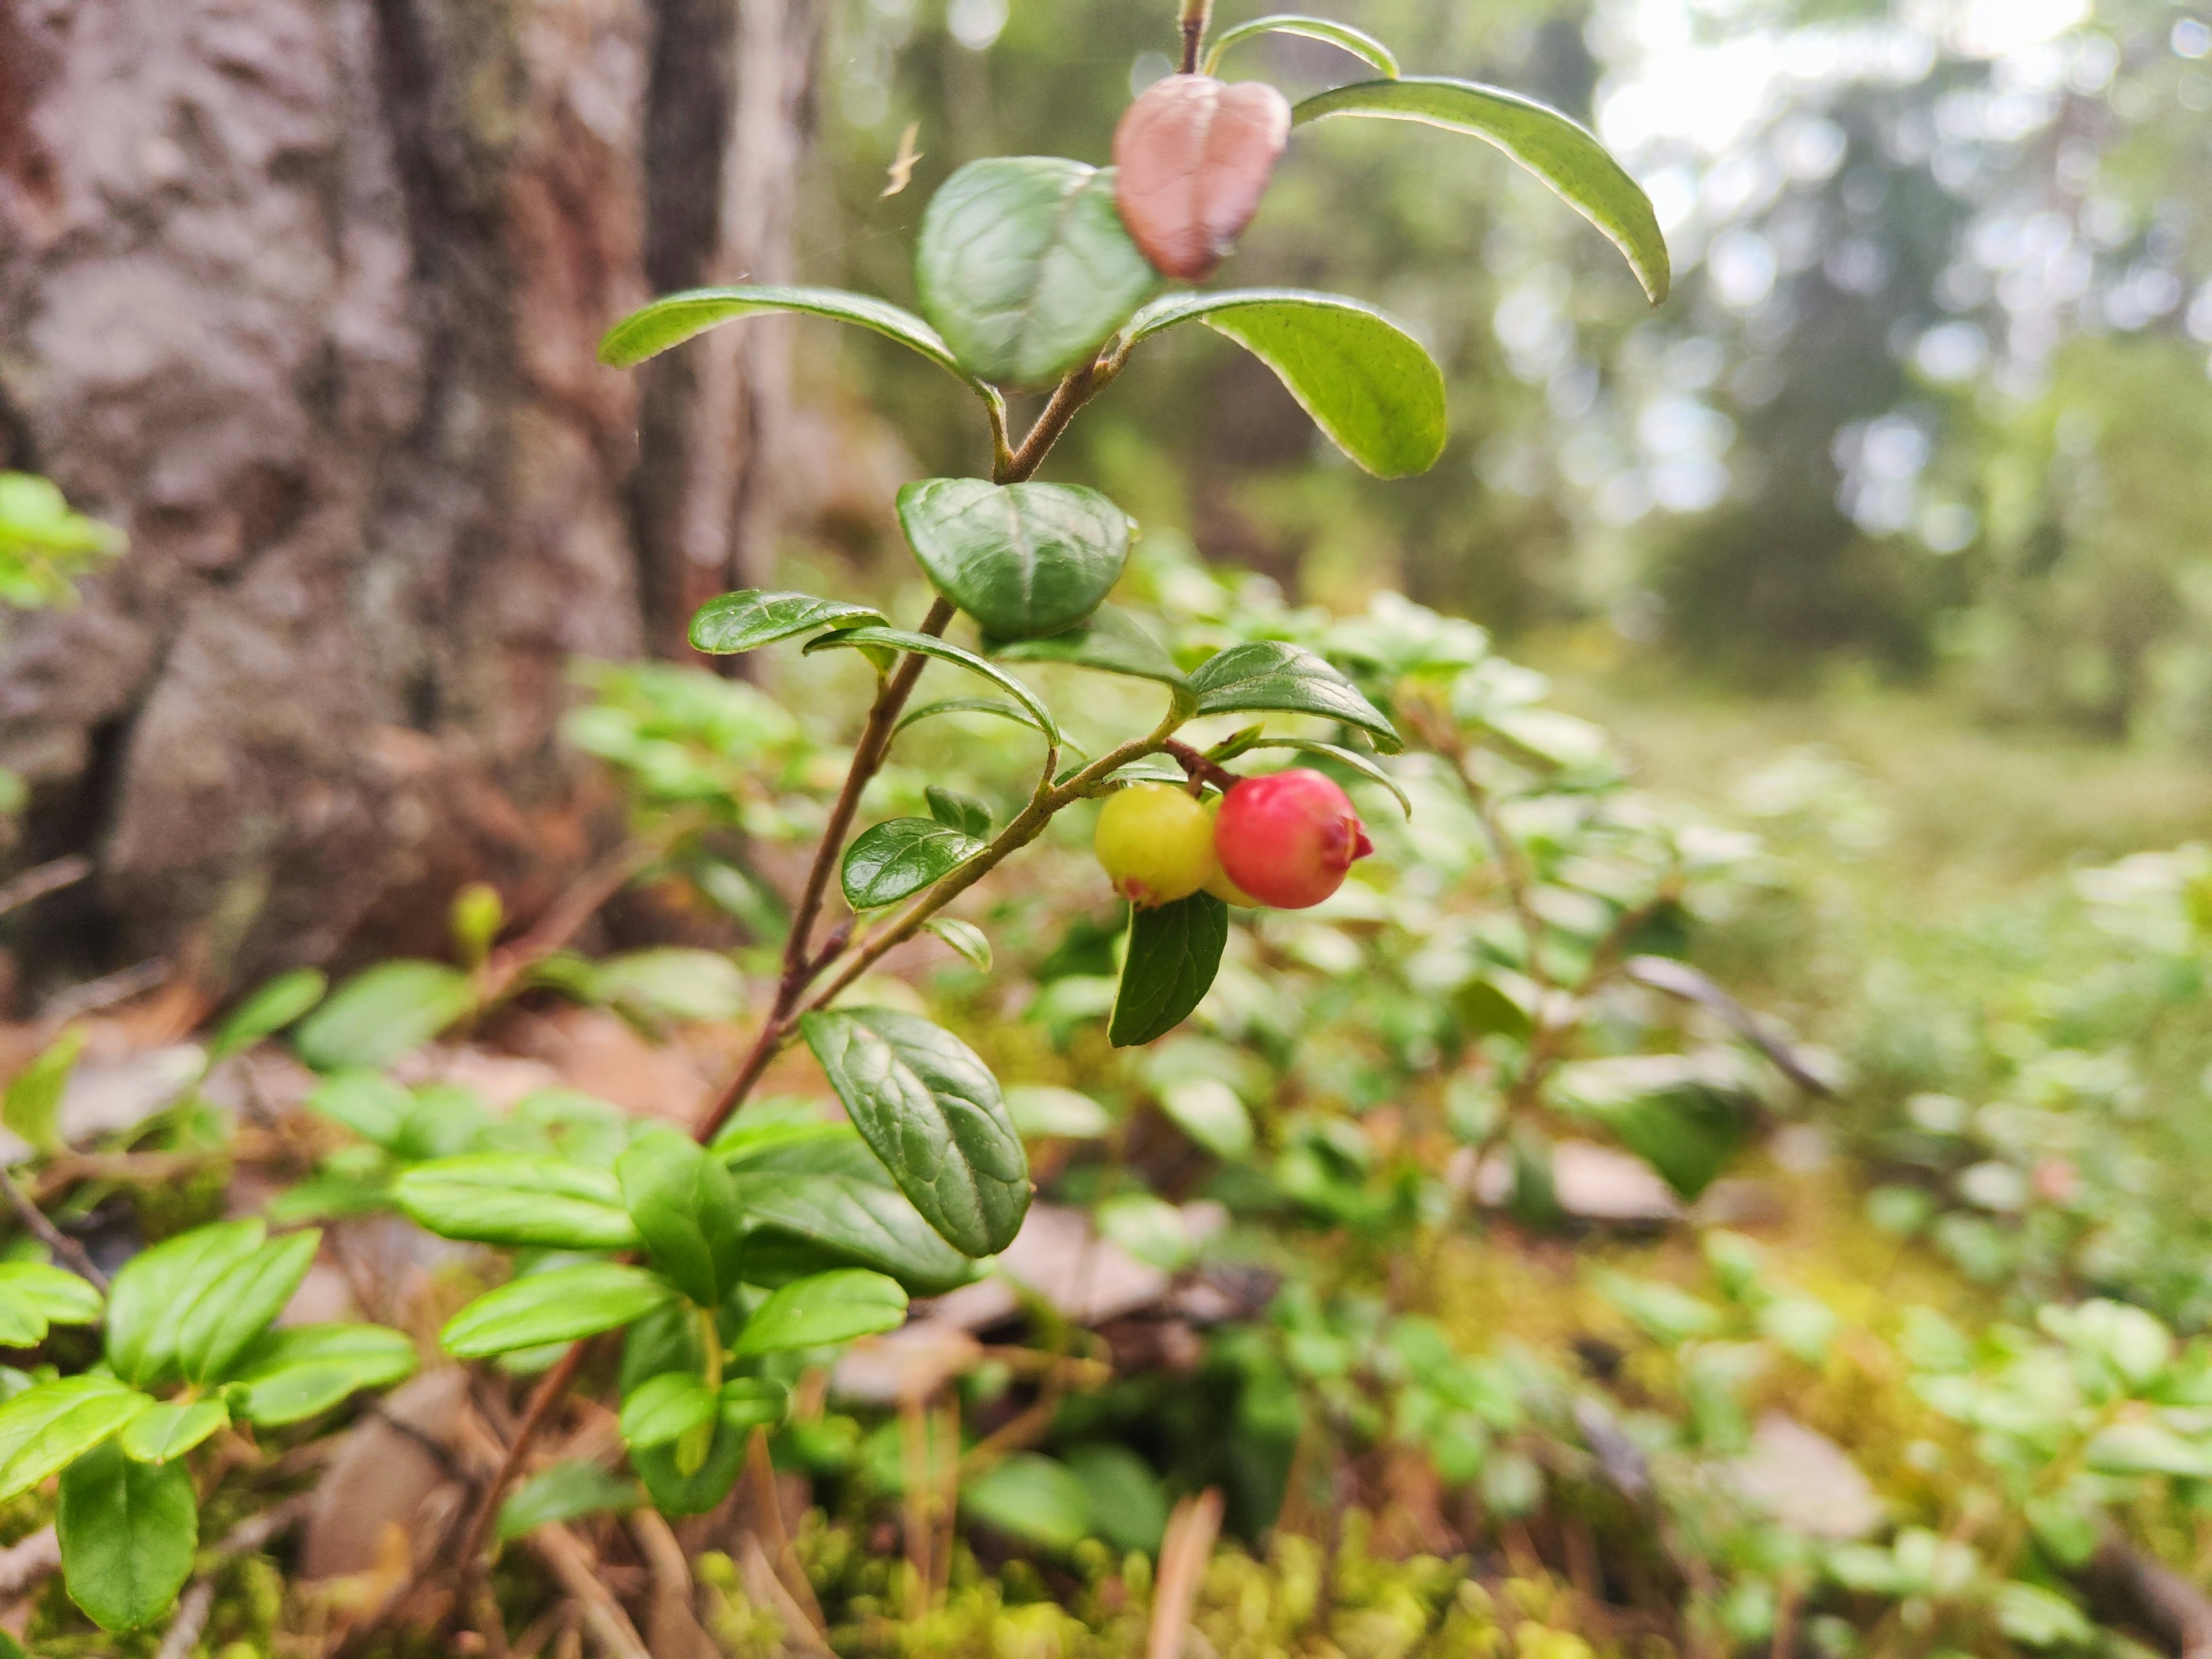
[1192, 158]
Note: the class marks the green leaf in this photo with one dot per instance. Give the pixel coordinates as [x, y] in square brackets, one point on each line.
[675, 318]
[889, 861]
[1033, 1498]
[21, 1325]
[369, 1103]
[1366, 382]
[1024, 267]
[1175, 950]
[929, 1108]
[2040, 1618]
[55, 1295]
[559, 1305]
[823, 1309]
[168, 1431]
[32, 1107]
[268, 1011]
[1023, 560]
[928, 645]
[1112, 642]
[1562, 154]
[158, 1290]
[518, 1198]
[1128, 1507]
[957, 811]
[2143, 1448]
[1041, 1110]
[753, 1402]
[1276, 674]
[665, 1407]
[228, 1315]
[965, 937]
[749, 619]
[685, 1206]
[383, 1011]
[1211, 1113]
[128, 1531]
[997, 707]
[1365, 765]
[851, 1222]
[676, 1491]
[670, 982]
[1357, 42]
[567, 1492]
[51, 1423]
[298, 1372]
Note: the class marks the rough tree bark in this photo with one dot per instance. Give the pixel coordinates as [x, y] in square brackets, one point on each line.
[303, 293]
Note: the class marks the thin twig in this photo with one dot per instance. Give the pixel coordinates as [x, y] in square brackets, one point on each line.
[190, 1622]
[543, 1399]
[1200, 768]
[119, 987]
[561, 1551]
[43, 879]
[78, 1260]
[583, 899]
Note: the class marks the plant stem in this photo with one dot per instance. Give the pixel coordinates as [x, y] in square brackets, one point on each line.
[1195, 14]
[1201, 769]
[549, 1392]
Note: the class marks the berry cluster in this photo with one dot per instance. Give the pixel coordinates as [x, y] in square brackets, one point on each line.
[1284, 839]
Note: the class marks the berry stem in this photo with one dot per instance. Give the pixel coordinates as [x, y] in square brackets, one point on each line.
[1201, 770]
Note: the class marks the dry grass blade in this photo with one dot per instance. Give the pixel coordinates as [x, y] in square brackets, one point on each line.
[1184, 1552]
[565, 1556]
[764, 1518]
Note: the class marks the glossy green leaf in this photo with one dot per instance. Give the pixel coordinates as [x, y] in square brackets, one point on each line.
[929, 1108]
[518, 1198]
[956, 810]
[49, 1424]
[567, 1492]
[1357, 42]
[32, 1107]
[887, 861]
[1175, 950]
[57, 1295]
[824, 1308]
[559, 1305]
[1366, 382]
[685, 1206]
[296, 1373]
[849, 1222]
[158, 1290]
[928, 645]
[998, 707]
[1364, 764]
[1274, 674]
[750, 618]
[169, 1430]
[1023, 560]
[21, 1325]
[661, 1408]
[230, 1315]
[1032, 1497]
[1112, 642]
[1024, 267]
[128, 1531]
[971, 942]
[268, 1011]
[383, 1011]
[675, 318]
[1564, 154]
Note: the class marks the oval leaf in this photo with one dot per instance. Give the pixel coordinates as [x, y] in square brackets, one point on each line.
[567, 1492]
[517, 1199]
[128, 1531]
[1034, 1498]
[928, 645]
[21, 1325]
[846, 1221]
[1357, 42]
[823, 1309]
[748, 619]
[889, 861]
[57, 1295]
[1366, 382]
[158, 1290]
[559, 1305]
[1175, 950]
[51, 1424]
[664, 1407]
[1112, 641]
[383, 1011]
[970, 942]
[232, 1312]
[268, 1011]
[1561, 153]
[675, 318]
[676, 1490]
[169, 1432]
[686, 1210]
[929, 1108]
[296, 1373]
[1024, 266]
[1276, 674]
[1192, 157]
[1022, 559]
[998, 707]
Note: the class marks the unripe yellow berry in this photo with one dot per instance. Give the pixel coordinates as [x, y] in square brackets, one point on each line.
[1155, 842]
[1219, 884]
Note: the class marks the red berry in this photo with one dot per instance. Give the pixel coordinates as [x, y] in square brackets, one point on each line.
[1287, 839]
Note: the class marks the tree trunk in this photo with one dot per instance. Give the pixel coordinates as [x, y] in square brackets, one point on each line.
[304, 295]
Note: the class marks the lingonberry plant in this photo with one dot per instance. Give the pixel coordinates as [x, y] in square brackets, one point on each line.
[718, 1256]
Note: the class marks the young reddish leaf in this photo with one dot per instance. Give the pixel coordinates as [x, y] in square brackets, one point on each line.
[1193, 156]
